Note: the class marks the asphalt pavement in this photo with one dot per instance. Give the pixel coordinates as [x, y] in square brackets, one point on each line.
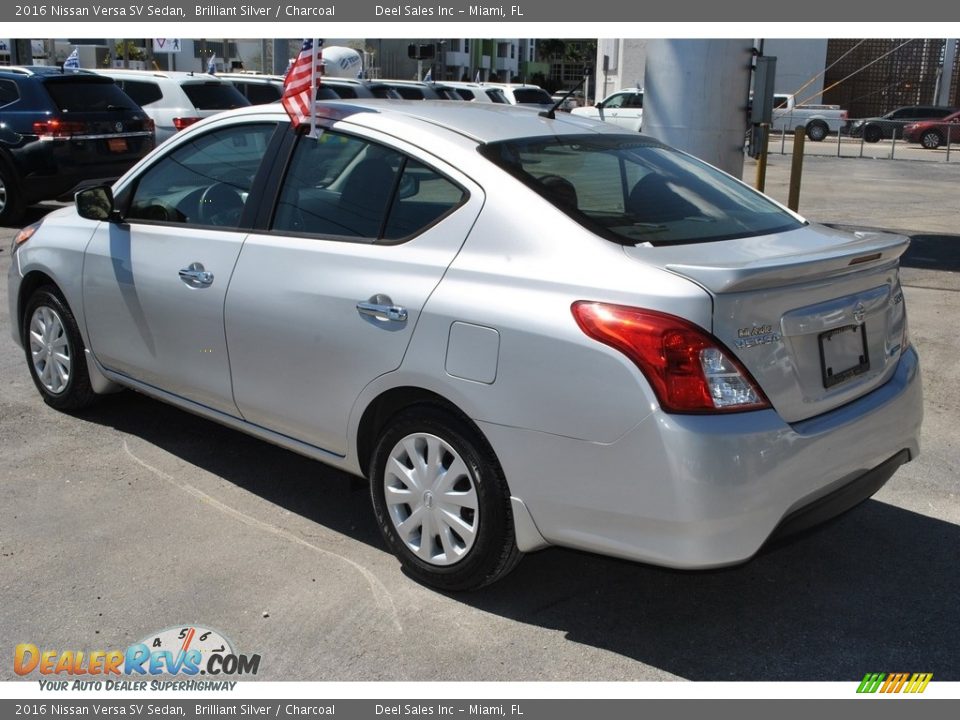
[133, 517]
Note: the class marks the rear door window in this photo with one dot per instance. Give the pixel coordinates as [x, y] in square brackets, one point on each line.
[531, 96]
[214, 96]
[8, 92]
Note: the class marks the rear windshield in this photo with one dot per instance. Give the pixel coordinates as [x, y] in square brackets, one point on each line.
[531, 96]
[214, 96]
[86, 96]
[636, 191]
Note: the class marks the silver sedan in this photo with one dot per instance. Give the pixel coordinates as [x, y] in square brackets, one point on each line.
[522, 331]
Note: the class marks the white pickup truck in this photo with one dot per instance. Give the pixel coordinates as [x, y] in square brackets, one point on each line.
[819, 120]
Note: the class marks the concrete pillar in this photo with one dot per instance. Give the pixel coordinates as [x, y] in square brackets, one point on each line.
[694, 99]
[943, 96]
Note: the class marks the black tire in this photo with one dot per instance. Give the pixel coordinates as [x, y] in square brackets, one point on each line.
[872, 134]
[931, 139]
[493, 551]
[76, 392]
[11, 197]
[817, 131]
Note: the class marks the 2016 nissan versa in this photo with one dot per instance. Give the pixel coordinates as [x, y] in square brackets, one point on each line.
[523, 331]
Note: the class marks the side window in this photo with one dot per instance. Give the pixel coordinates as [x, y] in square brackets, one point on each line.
[615, 102]
[343, 186]
[263, 94]
[497, 96]
[634, 101]
[142, 93]
[204, 182]
[8, 92]
[904, 113]
[423, 196]
[465, 94]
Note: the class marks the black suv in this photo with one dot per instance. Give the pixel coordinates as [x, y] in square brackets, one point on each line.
[891, 125]
[61, 131]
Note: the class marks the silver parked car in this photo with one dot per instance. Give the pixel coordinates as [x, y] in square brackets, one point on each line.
[524, 332]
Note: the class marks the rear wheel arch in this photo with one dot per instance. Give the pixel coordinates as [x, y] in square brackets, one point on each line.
[390, 403]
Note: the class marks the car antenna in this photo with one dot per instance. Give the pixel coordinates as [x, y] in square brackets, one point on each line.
[552, 112]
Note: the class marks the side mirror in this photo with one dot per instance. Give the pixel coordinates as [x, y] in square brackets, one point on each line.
[598, 104]
[96, 203]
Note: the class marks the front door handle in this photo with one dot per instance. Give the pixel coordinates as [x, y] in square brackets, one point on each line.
[196, 276]
[381, 307]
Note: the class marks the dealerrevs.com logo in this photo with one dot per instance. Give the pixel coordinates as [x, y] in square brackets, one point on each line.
[888, 683]
[188, 650]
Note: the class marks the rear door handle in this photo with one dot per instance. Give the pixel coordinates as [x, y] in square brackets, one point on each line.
[381, 307]
[196, 276]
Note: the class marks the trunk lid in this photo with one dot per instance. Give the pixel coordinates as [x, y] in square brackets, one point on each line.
[815, 314]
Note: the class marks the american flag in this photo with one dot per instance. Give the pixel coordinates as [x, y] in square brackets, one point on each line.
[298, 85]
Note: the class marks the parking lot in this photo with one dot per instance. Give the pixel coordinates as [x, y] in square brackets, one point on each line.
[133, 517]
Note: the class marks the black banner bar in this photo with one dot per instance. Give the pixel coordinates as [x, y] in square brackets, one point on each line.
[515, 11]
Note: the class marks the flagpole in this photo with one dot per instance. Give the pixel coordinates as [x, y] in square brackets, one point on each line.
[313, 86]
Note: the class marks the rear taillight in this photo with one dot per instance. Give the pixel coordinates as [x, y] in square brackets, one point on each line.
[689, 370]
[57, 128]
[181, 123]
[149, 125]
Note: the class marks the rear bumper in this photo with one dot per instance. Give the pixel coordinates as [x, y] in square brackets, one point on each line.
[708, 491]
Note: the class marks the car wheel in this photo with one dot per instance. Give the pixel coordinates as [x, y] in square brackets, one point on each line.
[872, 134]
[817, 131]
[11, 202]
[441, 501]
[55, 353]
[931, 139]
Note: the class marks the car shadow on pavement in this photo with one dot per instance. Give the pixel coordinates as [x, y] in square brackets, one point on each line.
[875, 590]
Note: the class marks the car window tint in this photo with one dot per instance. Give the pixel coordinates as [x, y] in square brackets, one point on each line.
[634, 101]
[214, 96]
[614, 102]
[8, 92]
[497, 96]
[142, 93]
[263, 93]
[344, 92]
[638, 191]
[205, 181]
[87, 96]
[531, 96]
[465, 94]
[337, 185]
[410, 93]
[423, 196]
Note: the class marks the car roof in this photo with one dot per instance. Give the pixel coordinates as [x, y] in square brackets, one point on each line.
[43, 71]
[176, 76]
[481, 122]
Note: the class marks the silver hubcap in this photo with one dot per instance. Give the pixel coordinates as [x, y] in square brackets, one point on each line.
[49, 349]
[431, 499]
[3, 195]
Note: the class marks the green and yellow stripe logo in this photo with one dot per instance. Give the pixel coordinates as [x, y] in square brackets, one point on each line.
[895, 682]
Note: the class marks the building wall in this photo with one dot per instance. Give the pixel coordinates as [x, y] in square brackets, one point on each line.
[800, 65]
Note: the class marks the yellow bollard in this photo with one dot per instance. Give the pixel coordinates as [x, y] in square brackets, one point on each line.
[761, 181]
[796, 168]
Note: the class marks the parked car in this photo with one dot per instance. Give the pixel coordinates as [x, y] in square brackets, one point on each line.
[60, 131]
[523, 331]
[567, 103]
[176, 100]
[934, 133]
[891, 125]
[818, 120]
[258, 89]
[524, 94]
[412, 90]
[623, 108]
[477, 92]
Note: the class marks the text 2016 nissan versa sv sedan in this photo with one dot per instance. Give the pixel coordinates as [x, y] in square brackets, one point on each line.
[524, 331]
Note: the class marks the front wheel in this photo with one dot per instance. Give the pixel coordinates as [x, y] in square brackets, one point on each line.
[55, 353]
[931, 140]
[872, 134]
[11, 202]
[441, 501]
